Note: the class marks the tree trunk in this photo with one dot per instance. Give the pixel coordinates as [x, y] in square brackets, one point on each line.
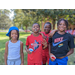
[42, 28]
[26, 29]
[54, 24]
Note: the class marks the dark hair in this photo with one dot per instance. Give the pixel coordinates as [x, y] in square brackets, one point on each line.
[66, 22]
[47, 23]
[10, 35]
[37, 24]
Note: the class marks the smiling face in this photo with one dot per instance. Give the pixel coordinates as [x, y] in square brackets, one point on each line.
[14, 35]
[35, 28]
[62, 26]
[47, 28]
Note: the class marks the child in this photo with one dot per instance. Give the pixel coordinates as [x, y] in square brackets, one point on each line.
[45, 54]
[60, 43]
[34, 42]
[13, 48]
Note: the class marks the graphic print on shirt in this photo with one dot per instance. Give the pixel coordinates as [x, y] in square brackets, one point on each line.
[36, 45]
[58, 41]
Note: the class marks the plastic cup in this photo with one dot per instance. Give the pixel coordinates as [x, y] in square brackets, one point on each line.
[30, 49]
[53, 57]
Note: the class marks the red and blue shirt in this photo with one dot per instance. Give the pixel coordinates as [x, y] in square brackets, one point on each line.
[36, 44]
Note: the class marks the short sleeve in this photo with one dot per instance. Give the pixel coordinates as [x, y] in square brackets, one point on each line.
[27, 41]
[71, 42]
[50, 40]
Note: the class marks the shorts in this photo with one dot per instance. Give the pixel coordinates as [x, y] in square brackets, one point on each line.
[14, 61]
[45, 57]
[34, 63]
[57, 61]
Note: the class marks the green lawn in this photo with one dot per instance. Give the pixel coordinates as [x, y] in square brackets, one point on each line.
[23, 36]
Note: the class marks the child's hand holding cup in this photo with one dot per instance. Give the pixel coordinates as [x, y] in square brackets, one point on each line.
[52, 57]
[30, 49]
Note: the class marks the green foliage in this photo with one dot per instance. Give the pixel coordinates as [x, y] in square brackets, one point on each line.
[22, 19]
[26, 17]
[5, 21]
[49, 14]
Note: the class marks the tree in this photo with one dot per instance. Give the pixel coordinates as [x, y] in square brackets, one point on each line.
[35, 15]
[71, 18]
[5, 21]
[54, 14]
[27, 17]
[21, 20]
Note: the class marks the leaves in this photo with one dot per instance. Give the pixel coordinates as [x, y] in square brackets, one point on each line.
[27, 17]
[5, 22]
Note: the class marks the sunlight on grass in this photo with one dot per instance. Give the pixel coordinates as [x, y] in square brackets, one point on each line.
[70, 63]
[2, 38]
[2, 49]
[22, 36]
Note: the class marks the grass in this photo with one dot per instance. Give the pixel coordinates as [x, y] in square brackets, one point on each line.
[23, 36]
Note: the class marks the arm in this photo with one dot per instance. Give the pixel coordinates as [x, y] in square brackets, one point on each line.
[52, 33]
[71, 51]
[6, 52]
[27, 46]
[22, 54]
[49, 49]
[50, 41]
[42, 35]
[50, 54]
[27, 50]
[44, 42]
[71, 46]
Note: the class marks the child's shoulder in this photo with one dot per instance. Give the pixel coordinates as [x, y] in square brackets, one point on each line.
[29, 36]
[68, 34]
[21, 42]
[40, 35]
[7, 43]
